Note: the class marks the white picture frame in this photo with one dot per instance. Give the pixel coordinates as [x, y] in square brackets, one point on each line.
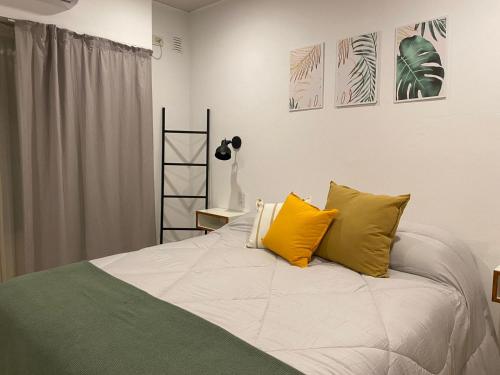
[357, 70]
[307, 78]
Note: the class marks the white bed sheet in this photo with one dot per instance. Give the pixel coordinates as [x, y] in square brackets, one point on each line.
[429, 317]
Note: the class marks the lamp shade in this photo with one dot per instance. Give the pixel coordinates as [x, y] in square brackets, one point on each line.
[223, 152]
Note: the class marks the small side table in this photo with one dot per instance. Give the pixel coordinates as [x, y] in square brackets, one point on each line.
[215, 218]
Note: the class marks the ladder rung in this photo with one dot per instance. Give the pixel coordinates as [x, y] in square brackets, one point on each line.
[186, 229]
[188, 164]
[186, 196]
[186, 131]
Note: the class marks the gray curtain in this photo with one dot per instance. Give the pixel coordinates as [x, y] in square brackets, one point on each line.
[8, 150]
[86, 147]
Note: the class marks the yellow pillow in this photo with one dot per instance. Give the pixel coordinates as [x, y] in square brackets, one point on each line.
[362, 235]
[297, 230]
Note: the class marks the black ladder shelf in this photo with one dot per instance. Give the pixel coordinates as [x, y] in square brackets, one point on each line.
[164, 164]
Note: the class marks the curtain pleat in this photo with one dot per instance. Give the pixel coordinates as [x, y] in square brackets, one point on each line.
[8, 151]
[85, 130]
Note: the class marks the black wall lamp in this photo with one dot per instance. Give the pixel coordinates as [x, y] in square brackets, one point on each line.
[223, 152]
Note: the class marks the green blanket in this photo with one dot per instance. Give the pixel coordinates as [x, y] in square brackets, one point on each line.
[78, 319]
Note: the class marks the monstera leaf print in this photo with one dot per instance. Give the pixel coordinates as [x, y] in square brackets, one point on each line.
[435, 27]
[420, 73]
[363, 77]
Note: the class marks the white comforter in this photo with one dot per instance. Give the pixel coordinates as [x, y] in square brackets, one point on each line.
[429, 317]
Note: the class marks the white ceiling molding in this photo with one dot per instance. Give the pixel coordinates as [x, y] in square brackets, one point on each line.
[188, 5]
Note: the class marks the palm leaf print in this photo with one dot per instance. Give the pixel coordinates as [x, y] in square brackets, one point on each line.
[435, 27]
[304, 61]
[363, 77]
[403, 33]
[344, 47]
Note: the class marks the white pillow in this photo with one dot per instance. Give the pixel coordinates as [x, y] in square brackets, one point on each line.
[266, 213]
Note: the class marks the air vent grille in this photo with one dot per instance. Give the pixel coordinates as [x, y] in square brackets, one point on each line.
[177, 44]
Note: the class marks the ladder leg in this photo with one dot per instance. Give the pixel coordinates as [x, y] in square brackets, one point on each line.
[207, 170]
[162, 173]
[207, 159]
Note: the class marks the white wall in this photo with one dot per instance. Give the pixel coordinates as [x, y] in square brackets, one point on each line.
[124, 21]
[171, 89]
[446, 153]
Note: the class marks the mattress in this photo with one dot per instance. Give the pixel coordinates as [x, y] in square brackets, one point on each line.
[429, 316]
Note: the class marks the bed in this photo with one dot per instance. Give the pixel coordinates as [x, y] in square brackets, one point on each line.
[429, 317]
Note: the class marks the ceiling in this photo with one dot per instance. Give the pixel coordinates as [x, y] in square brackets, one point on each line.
[188, 5]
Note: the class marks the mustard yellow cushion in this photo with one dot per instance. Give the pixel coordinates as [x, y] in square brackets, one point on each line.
[297, 230]
[362, 235]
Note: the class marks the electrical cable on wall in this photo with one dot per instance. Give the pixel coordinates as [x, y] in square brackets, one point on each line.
[158, 42]
[161, 54]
